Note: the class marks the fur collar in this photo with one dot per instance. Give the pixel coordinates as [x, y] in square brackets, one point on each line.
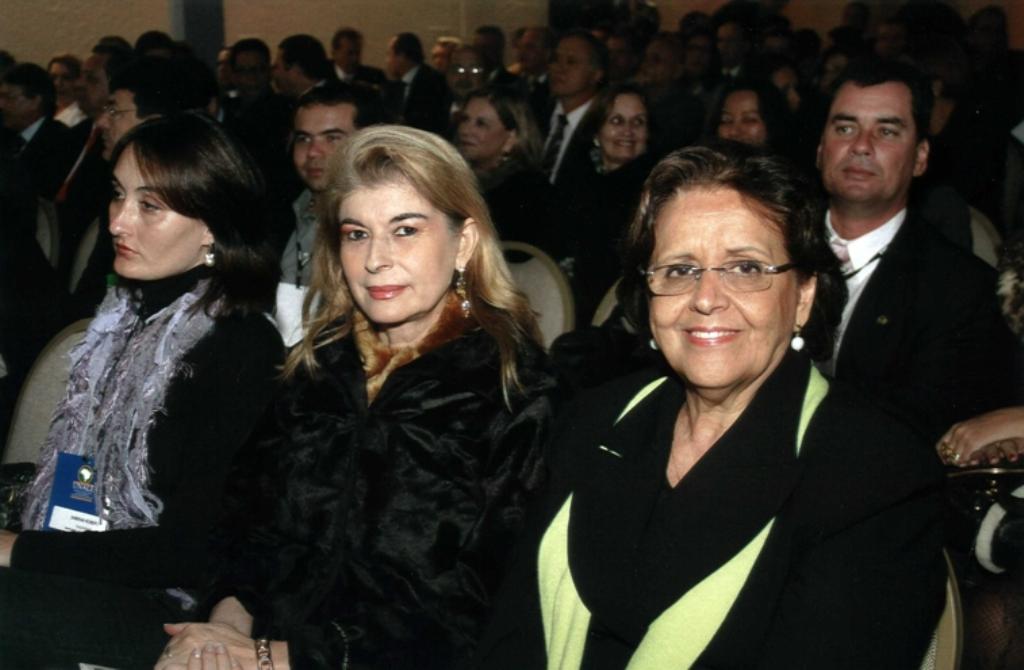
[379, 360]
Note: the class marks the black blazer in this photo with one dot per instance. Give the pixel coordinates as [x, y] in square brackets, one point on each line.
[850, 576]
[927, 339]
[48, 157]
[428, 103]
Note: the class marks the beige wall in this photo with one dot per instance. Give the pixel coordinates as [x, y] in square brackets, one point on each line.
[378, 20]
[823, 15]
[34, 30]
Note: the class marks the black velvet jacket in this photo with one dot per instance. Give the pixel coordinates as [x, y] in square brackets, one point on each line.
[378, 533]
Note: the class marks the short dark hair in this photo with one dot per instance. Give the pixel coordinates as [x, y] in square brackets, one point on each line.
[35, 82]
[157, 85]
[492, 31]
[871, 71]
[598, 50]
[368, 103]
[249, 44]
[154, 39]
[775, 188]
[308, 53]
[117, 57]
[408, 45]
[346, 33]
[70, 61]
[195, 167]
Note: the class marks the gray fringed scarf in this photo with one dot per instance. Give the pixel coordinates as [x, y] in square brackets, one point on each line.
[120, 373]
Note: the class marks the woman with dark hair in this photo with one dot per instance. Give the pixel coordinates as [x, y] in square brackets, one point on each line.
[498, 137]
[731, 508]
[604, 197]
[370, 523]
[753, 113]
[166, 385]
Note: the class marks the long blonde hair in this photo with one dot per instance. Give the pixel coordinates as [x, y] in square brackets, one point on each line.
[389, 154]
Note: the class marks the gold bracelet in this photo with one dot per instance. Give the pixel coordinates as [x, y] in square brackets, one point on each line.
[263, 659]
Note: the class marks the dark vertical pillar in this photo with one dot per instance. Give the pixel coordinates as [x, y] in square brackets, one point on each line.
[201, 24]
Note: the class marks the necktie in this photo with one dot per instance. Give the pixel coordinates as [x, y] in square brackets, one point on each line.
[554, 145]
[62, 194]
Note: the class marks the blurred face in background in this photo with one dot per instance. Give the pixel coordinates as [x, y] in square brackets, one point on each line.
[319, 131]
[482, 138]
[741, 119]
[93, 91]
[624, 134]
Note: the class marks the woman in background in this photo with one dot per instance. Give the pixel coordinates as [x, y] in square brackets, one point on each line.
[498, 137]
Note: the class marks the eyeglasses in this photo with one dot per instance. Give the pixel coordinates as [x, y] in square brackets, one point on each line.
[461, 69]
[738, 276]
[113, 112]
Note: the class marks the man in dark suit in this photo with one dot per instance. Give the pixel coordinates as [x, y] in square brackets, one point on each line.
[416, 95]
[301, 64]
[922, 332]
[41, 146]
[347, 52]
[577, 73]
[489, 41]
[534, 48]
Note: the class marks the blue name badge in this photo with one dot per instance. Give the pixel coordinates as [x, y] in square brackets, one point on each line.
[73, 499]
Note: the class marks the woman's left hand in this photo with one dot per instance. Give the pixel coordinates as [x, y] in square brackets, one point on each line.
[206, 646]
[7, 539]
[986, 439]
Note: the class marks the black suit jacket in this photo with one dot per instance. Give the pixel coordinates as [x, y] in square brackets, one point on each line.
[427, 105]
[49, 157]
[850, 576]
[926, 339]
[370, 76]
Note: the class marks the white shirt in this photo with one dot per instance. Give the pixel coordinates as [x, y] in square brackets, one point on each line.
[71, 115]
[407, 80]
[342, 75]
[31, 131]
[573, 119]
[864, 259]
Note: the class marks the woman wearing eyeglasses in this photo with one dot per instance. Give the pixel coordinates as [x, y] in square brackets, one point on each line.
[733, 509]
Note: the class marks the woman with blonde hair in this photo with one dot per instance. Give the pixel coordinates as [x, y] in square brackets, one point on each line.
[498, 136]
[370, 522]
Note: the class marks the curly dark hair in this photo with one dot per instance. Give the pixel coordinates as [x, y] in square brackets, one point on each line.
[790, 202]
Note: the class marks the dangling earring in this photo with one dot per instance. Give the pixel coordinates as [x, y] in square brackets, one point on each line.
[653, 344]
[460, 291]
[209, 258]
[797, 343]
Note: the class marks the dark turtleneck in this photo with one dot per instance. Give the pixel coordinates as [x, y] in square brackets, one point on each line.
[153, 295]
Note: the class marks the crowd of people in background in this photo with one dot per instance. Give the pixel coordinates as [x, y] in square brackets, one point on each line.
[908, 129]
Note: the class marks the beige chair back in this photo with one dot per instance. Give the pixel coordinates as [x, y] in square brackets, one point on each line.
[606, 306]
[82, 254]
[985, 239]
[48, 230]
[546, 287]
[44, 387]
[948, 640]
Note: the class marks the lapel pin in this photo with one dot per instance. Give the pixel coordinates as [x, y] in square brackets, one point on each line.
[882, 320]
